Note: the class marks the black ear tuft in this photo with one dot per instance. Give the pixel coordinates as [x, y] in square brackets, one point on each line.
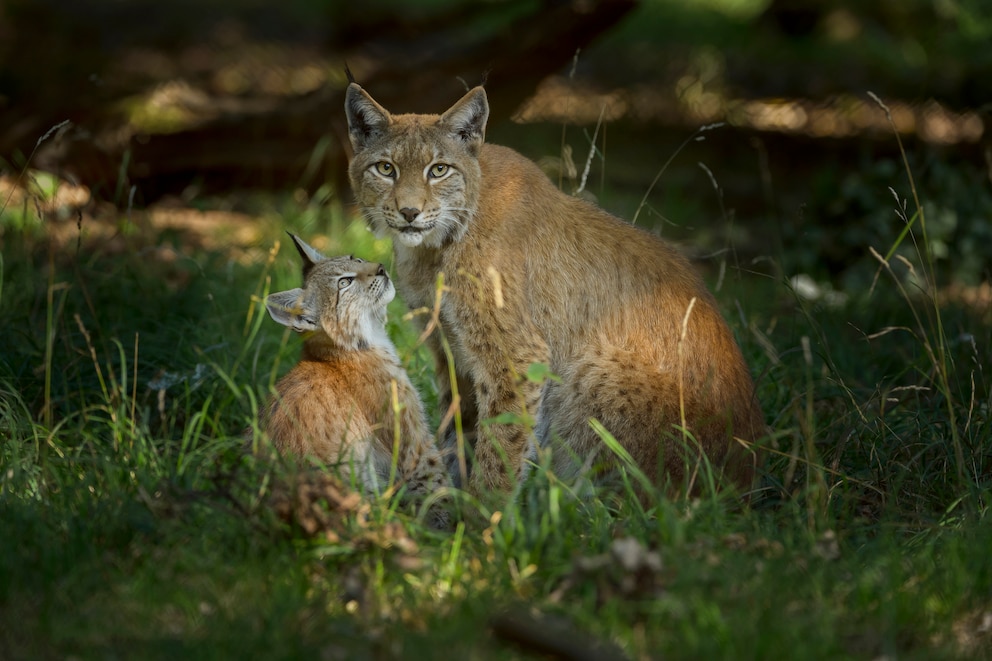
[347, 72]
[467, 118]
[366, 118]
[311, 256]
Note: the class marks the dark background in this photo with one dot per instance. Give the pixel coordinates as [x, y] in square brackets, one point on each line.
[192, 99]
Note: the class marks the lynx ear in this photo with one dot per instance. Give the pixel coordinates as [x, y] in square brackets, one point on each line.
[366, 118]
[467, 119]
[309, 254]
[289, 309]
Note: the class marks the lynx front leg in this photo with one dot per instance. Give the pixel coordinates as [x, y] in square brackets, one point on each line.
[421, 467]
[493, 337]
[424, 472]
[502, 443]
[462, 414]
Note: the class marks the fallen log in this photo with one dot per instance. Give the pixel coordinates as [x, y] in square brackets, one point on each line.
[300, 141]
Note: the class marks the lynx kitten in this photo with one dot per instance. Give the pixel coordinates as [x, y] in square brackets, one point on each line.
[348, 401]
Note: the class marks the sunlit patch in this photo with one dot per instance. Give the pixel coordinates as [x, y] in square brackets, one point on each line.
[693, 101]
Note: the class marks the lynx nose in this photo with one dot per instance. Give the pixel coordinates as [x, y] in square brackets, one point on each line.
[409, 213]
[380, 270]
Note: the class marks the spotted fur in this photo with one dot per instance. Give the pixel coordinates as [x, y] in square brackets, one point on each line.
[533, 275]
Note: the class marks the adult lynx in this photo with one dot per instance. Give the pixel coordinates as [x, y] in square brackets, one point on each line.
[533, 275]
[348, 399]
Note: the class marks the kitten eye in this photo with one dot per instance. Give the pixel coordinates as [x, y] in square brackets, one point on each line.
[438, 170]
[344, 282]
[385, 168]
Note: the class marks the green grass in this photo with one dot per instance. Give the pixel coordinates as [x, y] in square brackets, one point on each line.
[133, 525]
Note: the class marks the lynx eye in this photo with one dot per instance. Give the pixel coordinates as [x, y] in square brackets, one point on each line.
[438, 170]
[386, 169]
[344, 282]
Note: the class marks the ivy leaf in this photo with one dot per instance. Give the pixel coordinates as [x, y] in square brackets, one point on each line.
[539, 373]
[510, 418]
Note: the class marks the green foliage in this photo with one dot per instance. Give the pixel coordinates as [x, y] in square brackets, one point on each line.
[865, 207]
[134, 524]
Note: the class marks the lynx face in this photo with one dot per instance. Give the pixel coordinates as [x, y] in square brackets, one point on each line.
[344, 298]
[416, 177]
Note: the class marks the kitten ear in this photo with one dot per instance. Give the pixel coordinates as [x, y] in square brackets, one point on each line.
[366, 118]
[311, 256]
[289, 309]
[467, 118]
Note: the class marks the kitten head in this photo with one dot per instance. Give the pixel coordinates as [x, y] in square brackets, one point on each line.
[417, 177]
[343, 300]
